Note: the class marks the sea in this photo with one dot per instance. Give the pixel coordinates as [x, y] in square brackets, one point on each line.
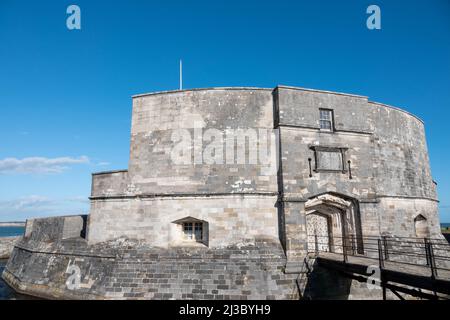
[11, 231]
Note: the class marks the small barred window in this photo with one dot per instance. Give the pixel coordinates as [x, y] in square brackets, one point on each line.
[193, 231]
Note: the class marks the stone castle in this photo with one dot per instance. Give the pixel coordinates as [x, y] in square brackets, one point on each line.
[226, 191]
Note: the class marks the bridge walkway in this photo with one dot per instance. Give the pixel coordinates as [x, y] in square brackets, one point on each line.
[415, 266]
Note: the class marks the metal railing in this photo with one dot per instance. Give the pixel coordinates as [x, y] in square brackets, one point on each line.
[425, 252]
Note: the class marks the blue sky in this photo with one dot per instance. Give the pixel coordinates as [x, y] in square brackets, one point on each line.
[65, 96]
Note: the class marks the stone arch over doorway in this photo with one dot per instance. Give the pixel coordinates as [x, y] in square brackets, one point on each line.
[342, 229]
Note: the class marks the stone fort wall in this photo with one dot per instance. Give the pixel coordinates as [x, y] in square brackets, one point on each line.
[45, 263]
[229, 219]
[390, 173]
[254, 215]
[237, 200]
[122, 269]
[391, 178]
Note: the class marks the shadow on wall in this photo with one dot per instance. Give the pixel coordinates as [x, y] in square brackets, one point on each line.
[322, 284]
[326, 284]
[447, 236]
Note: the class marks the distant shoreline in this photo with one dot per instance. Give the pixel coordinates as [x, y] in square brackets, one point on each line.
[12, 224]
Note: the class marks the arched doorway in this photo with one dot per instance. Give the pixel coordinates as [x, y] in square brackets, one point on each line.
[319, 228]
[333, 224]
[421, 227]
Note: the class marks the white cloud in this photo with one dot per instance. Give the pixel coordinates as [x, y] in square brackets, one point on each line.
[39, 164]
[34, 206]
[27, 203]
[104, 163]
[29, 206]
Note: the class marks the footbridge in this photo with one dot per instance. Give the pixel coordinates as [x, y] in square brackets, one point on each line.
[413, 266]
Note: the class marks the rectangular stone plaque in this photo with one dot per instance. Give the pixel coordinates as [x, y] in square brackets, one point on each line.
[329, 160]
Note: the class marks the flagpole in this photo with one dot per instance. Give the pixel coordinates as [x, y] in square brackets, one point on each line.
[181, 74]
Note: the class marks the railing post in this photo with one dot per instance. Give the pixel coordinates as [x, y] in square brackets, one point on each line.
[316, 244]
[344, 251]
[360, 241]
[353, 245]
[385, 247]
[381, 265]
[432, 261]
[427, 255]
[430, 258]
[380, 255]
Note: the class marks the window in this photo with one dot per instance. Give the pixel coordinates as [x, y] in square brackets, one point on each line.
[193, 231]
[326, 119]
[189, 231]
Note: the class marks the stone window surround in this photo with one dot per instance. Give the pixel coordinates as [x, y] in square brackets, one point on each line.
[341, 150]
[185, 241]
